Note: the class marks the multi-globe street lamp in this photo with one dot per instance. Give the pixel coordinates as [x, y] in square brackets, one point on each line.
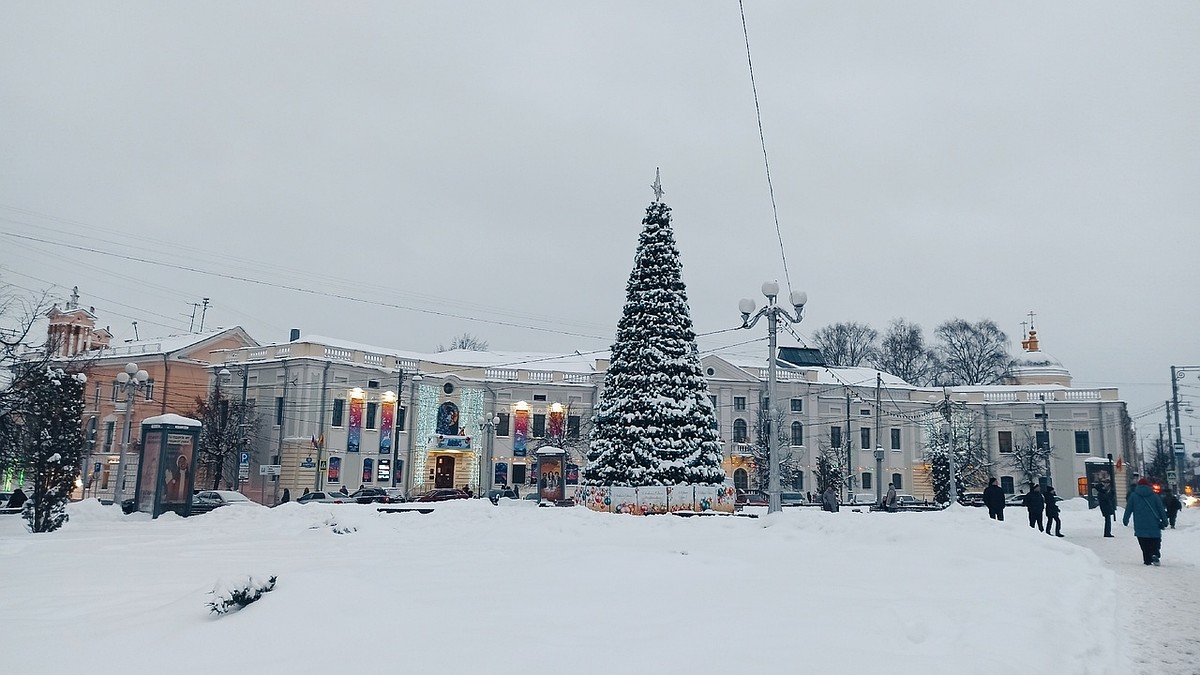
[130, 380]
[773, 312]
[486, 473]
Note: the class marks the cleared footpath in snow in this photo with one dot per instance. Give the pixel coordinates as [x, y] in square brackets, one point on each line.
[1160, 623]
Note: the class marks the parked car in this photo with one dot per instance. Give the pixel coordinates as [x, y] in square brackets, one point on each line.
[1014, 500]
[397, 494]
[370, 495]
[907, 500]
[320, 497]
[971, 499]
[752, 499]
[792, 498]
[207, 500]
[862, 499]
[496, 494]
[443, 494]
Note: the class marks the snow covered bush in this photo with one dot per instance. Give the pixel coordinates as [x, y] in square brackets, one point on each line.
[230, 596]
[654, 422]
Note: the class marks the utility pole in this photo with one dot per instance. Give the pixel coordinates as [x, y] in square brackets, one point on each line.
[241, 428]
[849, 450]
[878, 440]
[396, 427]
[203, 312]
[1180, 453]
[192, 323]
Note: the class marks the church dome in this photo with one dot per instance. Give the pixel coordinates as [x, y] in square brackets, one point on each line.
[1034, 366]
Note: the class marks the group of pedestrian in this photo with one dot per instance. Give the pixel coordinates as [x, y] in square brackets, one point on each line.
[1151, 513]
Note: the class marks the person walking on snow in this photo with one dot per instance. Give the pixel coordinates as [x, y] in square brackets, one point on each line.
[889, 500]
[1149, 520]
[993, 499]
[1172, 504]
[1106, 499]
[1052, 512]
[1035, 502]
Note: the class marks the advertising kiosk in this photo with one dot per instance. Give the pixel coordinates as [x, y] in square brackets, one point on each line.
[167, 465]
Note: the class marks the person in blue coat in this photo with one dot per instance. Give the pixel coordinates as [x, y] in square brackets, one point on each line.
[1149, 519]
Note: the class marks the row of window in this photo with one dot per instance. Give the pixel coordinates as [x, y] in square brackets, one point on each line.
[1041, 439]
[739, 404]
[117, 391]
[370, 419]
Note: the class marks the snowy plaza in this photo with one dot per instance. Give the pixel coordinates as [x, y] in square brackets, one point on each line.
[473, 587]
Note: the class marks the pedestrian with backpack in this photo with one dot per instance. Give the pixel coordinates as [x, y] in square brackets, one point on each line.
[1149, 520]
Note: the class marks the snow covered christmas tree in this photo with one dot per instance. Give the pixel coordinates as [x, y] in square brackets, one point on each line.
[654, 422]
[52, 406]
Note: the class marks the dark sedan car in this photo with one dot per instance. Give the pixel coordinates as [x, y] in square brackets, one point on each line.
[370, 495]
[443, 494]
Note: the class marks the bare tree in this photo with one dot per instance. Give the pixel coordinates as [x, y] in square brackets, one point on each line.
[846, 343]
[465, 341]
[830, 467]
[1029, 459]
[972, 353]
[903, 353]
[761, 450]
[972, 466]
[228, 426]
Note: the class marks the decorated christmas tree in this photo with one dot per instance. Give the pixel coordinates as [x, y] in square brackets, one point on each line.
[654, 422]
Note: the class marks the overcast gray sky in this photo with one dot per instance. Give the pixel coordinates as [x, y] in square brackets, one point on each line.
[492, 161]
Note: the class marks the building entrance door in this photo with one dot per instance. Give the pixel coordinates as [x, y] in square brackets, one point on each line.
[443, 473]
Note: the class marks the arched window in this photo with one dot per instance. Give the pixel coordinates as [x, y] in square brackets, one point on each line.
[897, 481]
[741, 480]
[1007, 484]
[739, 431]
[368, 470]
[797, 433]
[866, 480]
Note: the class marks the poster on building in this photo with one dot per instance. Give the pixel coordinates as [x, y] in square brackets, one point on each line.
[623, 500]
[148, 471]
[368, 470]
[354, 428]
[572, 474]
[177, 470]
[652, 499]
[550, 482]
[387, 426]
[384, 471]
[335, 470]
[501, 476]
[681, 498]
[447, 419]
[520, 431]
[1099, 476]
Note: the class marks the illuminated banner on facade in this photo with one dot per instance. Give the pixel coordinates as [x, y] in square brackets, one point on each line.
[387, 425]
[520, 431]
[354, 431]
[501, 473]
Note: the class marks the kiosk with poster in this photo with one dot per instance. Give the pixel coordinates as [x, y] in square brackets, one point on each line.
[167, 464]
[551, 465]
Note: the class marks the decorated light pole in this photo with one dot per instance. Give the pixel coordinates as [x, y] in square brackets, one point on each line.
[131, 380]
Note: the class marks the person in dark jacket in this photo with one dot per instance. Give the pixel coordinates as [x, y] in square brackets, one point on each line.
[1106, 499]
[1172, 504]
[1149, 519]
[993, 499]
[1052, 512]
[1035, 502]
[829, 500]
[16, 500]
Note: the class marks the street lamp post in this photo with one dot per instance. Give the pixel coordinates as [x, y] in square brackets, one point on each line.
[772, 311]
[131, 380]
[412, 422]
[488, 426]
[878, 474]
[946, 407]
[1177, 374]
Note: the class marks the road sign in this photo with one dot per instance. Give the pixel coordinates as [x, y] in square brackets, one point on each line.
[269, 469]
[1171, 476]
[245, 458]
[1180, 448]
[244, 472]
[307, 463]
[324, 465]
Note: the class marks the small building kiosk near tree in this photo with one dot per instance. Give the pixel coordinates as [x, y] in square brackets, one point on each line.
[167, 465]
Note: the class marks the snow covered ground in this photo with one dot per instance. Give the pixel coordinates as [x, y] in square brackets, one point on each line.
[518, 589]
